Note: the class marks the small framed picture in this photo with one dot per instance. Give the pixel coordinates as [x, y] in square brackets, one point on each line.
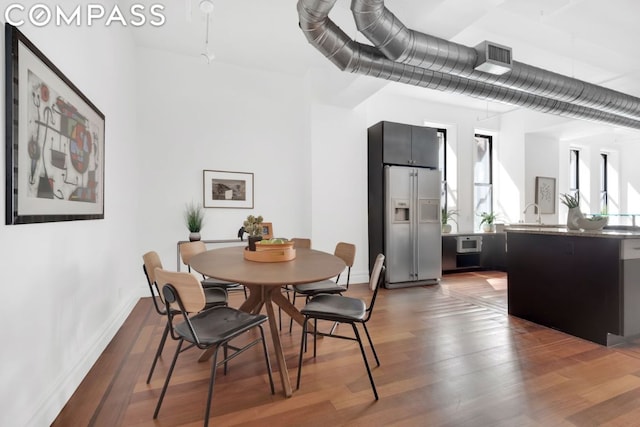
[223, 189]
[546, 194]
[267, 230]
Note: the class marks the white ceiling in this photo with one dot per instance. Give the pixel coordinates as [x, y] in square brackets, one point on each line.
[592, 40]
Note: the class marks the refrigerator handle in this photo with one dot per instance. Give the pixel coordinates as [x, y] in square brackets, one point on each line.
[414, 224]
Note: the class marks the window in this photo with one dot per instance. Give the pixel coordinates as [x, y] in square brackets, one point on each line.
[483, 177]
[604, 184]
[574, 172]
[442, 161]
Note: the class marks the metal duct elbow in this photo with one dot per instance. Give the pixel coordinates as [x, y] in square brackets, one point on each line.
[324, 34]
[399, 43]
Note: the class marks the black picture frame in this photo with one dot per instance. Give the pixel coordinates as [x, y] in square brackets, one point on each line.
[226, 189]
[54, 141]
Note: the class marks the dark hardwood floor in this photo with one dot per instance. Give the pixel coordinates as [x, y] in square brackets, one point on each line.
[450, 356]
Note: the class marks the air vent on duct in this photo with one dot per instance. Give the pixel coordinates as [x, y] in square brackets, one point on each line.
[493, 58]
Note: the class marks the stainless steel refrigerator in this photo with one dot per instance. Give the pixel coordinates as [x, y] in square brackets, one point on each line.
[413, 238]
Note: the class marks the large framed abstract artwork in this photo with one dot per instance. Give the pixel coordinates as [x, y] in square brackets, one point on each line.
[54, 141]
[227, 189]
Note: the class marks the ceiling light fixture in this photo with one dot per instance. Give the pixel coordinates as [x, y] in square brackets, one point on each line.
[206, 6]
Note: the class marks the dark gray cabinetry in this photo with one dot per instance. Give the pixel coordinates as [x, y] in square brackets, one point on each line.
[491, 257]
[406, 145]
[449, 252]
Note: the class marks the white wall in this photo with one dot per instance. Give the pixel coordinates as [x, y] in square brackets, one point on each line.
[193, 116]
[339, 182]
[68, 286]
[541, 161]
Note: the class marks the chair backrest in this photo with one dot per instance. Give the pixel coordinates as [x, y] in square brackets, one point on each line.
[346, 252]
[189, 249]
[377, 276]
[151, 261]
[299, 242]
[376, 273]
[188, 287]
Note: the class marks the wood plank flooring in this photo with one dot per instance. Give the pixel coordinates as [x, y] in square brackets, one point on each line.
[450, 356]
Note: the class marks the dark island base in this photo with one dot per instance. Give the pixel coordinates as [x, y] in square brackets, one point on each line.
[569, 283]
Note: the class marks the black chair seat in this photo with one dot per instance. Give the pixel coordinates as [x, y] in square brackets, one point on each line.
[219, 324]
[336, 308]
[215, 296]
[324, 287]
[216, 283]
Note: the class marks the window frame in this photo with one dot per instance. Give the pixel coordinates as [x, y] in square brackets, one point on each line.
[489, 184]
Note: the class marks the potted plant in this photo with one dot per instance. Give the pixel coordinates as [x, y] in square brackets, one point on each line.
[253, 227]
[194, 217]
[448, 216]
[574, 214]
[488, 221]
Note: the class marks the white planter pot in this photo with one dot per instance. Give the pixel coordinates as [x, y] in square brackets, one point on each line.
[573, 216]
[488, 228]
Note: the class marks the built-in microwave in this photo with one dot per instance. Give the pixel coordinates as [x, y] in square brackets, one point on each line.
[468, 244]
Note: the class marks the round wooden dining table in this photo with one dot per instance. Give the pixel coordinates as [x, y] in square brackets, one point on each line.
[264, 281]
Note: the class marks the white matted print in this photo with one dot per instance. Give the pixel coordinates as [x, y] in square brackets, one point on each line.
[546, 194]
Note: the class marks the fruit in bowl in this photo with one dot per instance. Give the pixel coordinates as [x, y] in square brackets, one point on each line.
[271, 244]
[275, 241]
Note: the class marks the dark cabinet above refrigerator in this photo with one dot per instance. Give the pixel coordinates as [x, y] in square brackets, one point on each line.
[406, 145]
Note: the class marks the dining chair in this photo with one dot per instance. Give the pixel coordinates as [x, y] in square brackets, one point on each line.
[188, 250]
[207, 329]
[345, 251]
[298, 242]
[213, 297]
[338, 308]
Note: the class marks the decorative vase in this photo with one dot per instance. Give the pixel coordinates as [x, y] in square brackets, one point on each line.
[573, 216]
[194, 236]
[446, 228]
[488, 228]
[252, 242]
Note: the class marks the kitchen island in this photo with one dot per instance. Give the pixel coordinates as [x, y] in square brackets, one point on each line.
[584, 283]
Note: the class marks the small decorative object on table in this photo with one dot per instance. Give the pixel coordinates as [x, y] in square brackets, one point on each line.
[194, 217]
[253, 227]
[488, 221]
[448, 216]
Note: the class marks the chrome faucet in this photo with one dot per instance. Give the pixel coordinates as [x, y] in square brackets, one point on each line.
[538, 220]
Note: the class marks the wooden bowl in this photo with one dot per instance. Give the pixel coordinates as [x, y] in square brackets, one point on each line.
[274, 255]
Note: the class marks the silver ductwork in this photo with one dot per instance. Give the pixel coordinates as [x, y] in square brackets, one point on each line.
[442, 65]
